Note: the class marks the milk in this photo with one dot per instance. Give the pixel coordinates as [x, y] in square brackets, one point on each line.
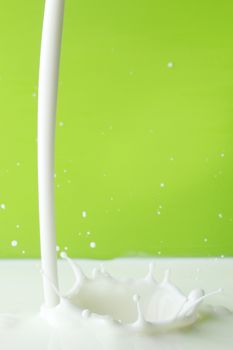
[47, 104]
[27, 329]
[101, 311]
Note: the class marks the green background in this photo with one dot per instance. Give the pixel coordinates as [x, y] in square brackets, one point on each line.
[126, 124]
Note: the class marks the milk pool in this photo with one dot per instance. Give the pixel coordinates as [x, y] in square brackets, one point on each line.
[21, 295]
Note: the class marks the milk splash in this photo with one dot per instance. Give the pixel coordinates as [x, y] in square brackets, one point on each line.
[143, 305]
[137, 305]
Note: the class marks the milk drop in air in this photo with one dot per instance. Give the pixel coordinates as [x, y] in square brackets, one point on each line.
[170, 64]
[92, 244]
[14, 243]
[84, 214]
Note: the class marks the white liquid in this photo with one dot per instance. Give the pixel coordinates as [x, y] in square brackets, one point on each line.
[99, 312]
[47, 103]
[143, 305]
[65, 329]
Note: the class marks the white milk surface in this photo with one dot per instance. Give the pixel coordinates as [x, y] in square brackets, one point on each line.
[21, 298]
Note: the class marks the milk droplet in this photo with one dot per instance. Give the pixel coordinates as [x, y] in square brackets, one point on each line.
[57, 248]
[162, 185]
[84, 214]
[158, 212]
[63, 255]
[14, 243]
[65, 171]
[170, 64]
[23, 251]
[220, 215]
[86, 313]
[65, 248]
[18, 163]
[3, 206]
[92, 244]
[222, 155]
[159, 252]
[88, 233]
[205, 239]
[17, 226]
[61, 124]
[136, 298]
[33, 94]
